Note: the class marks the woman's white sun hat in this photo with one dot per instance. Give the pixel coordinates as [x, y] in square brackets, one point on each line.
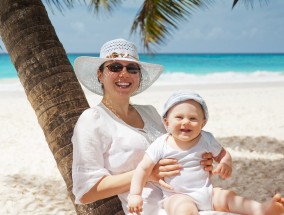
[119, 49]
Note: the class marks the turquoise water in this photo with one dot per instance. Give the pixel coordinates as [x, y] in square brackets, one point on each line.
[212, 63]
[7, 69]
[198, 68]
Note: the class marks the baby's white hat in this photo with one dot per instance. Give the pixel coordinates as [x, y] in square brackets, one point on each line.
[181, 96]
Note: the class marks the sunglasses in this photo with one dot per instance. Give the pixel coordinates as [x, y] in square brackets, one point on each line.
[118, 67]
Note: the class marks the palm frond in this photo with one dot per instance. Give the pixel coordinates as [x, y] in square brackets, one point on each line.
[107, 5]
[157, 19]
[95, 5]
[249, 3]
[234, 3]
[59, 4]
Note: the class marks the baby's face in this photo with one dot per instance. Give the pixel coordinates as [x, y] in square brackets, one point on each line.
[185, 120]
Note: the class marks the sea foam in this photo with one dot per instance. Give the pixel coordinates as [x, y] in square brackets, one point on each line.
[222, 77]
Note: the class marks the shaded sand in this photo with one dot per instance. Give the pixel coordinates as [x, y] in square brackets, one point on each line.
[247, 119]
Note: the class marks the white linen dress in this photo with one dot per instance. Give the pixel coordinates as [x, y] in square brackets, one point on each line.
[105, 145]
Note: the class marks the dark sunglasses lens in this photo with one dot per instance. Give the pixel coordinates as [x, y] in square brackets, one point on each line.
[115, 67]
[133, 69]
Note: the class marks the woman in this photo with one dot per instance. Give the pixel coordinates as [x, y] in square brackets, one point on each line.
[110, 139]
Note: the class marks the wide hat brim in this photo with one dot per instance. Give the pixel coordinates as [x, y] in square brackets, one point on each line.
[86, 71]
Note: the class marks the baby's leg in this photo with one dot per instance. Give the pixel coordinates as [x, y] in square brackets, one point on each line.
[275, 206]
[228, 201]
[221, 198]
[180, 204]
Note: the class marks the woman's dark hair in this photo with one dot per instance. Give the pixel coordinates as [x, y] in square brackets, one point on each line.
[101, 68]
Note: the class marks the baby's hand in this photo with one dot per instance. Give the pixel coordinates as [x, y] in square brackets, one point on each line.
[223, 170]
[135, 203]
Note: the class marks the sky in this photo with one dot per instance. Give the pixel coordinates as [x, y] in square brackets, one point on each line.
[216, 29]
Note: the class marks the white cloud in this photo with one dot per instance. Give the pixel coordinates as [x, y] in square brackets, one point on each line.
[79, 27]
[133, 4]
[253, 32]
[215, 33]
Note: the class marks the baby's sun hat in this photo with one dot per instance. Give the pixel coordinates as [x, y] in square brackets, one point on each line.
[181, 96]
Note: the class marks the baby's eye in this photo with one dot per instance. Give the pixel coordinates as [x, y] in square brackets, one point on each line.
[179, 117]
[193, 119]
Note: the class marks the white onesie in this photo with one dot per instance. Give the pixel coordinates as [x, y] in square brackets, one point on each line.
[193, 179]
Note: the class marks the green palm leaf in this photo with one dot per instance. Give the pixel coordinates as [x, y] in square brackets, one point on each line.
[95, 5]
[248, 3]
[157, 19]
[104, 4]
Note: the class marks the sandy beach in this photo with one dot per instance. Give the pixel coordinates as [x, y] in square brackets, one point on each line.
[246, 118]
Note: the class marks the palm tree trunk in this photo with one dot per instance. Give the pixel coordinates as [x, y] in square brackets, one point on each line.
[49, 83]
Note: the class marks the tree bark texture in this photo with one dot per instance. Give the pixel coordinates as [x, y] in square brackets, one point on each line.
[49, 83]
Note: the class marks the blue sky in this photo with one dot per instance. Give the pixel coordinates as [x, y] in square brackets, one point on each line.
[216, 29]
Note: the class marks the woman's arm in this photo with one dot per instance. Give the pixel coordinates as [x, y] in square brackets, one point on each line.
[108, 186]
[112, 185]
[115, 184]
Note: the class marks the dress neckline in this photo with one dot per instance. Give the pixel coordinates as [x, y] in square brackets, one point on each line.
[115, 117]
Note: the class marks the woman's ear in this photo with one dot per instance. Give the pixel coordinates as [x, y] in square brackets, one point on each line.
[99, 74]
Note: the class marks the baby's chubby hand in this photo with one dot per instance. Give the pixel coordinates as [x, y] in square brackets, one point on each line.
[135, 203]
[223, 170]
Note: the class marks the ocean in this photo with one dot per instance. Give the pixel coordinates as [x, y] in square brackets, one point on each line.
[197, 68]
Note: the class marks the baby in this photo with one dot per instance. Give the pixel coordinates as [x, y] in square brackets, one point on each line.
[185, 114]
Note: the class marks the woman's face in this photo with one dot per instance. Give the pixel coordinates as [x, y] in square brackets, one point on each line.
[120, 78]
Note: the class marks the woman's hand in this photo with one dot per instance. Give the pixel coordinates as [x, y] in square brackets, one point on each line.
[207, 162]
[166, 167]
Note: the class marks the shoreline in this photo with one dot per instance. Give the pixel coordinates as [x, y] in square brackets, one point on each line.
[13, 84]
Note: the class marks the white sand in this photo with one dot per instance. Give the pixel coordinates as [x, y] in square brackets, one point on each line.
[248, 120]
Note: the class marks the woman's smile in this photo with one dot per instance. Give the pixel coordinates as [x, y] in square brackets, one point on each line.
[123, 84]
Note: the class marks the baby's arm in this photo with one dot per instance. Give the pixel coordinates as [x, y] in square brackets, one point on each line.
[139, 179]
[224, 168]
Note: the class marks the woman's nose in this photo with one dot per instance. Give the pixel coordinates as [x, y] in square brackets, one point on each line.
[123, 72]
